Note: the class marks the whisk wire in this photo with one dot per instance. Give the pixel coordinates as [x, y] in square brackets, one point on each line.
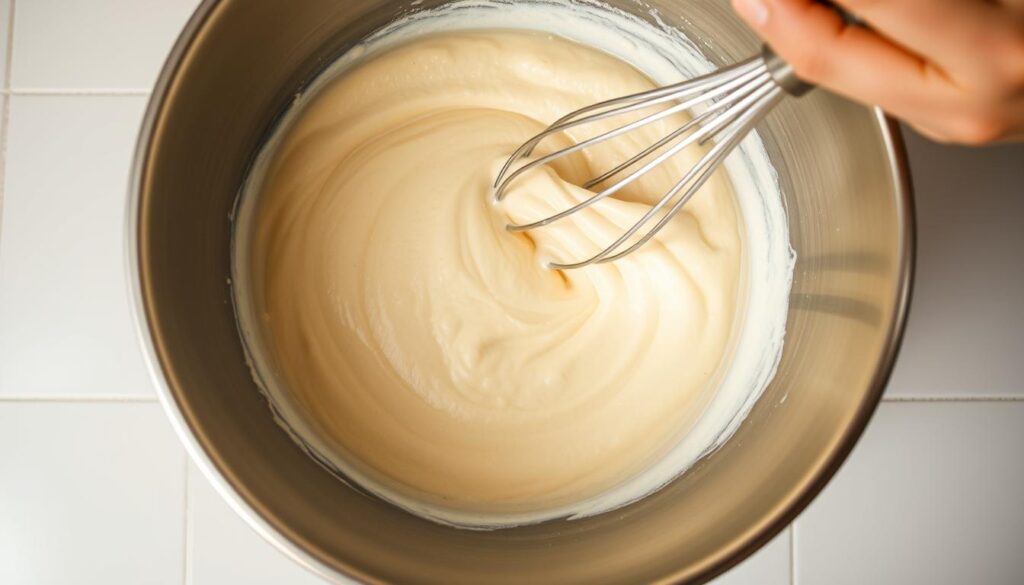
[698, 119]
[709, 163]
[647, 167]
[695, 177]
[724, 107]
[502, 182]
[676, 90]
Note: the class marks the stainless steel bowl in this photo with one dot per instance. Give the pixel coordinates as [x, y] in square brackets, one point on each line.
[234, 71]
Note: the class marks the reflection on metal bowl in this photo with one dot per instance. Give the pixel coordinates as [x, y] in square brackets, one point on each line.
[841, 167]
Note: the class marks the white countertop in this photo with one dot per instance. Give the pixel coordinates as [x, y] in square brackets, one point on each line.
[94, 487]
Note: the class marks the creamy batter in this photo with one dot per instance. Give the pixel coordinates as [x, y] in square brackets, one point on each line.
[434, 357]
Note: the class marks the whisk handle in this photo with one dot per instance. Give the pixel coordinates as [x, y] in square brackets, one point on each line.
[783, 73]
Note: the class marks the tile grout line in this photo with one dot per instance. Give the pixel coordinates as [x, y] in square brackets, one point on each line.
[792, 553]
[5, 122]
[187, 552]
[981, 398]
[5, 107]
[9, 61]
[42, 91]
[76, 399]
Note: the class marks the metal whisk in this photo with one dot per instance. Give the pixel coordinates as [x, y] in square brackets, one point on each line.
[724, 105]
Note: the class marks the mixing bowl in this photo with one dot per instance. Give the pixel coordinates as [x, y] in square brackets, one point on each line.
[235, 70]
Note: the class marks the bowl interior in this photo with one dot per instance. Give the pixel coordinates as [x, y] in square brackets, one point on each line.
[233, 74]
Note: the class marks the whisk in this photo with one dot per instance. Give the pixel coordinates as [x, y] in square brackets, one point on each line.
[724, 105]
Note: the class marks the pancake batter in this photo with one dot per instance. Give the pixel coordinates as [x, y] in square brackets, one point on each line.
[430, 351]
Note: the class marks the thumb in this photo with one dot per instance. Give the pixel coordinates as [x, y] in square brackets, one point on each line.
[826, 51]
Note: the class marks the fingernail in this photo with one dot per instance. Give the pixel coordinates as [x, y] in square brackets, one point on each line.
[755, 12]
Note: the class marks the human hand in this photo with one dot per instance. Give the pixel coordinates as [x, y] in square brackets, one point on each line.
[953, 69]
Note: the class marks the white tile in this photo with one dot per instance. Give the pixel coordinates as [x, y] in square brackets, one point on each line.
[94, 44]
[965, 335]
[5, 29]
[768, 566]
[3, 134]
[90, 493]
[225, 550]
[65, 326]
[932, 494]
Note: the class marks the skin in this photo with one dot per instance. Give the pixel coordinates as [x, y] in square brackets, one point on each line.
[952, 69]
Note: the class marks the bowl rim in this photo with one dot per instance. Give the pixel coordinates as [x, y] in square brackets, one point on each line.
[813, 481]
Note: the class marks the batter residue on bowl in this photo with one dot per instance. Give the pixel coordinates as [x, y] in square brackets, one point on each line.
[429, 353]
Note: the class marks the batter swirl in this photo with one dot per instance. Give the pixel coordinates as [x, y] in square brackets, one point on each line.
[430, 349]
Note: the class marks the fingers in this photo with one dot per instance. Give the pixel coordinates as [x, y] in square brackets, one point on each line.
[850, 60]
[941, 29]
[937, 28]
[968, 86]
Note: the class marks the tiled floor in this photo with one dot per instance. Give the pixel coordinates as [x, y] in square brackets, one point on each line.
[91, 492]
[5, 11]
[965, 336]
[248, 559]
[63, 217]
[95, 489]
[934, 493]
[94, 45]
